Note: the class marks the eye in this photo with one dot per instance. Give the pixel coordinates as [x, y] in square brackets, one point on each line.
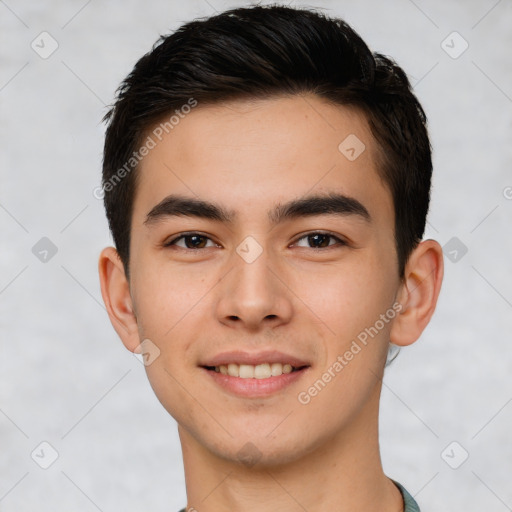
[194, 241]
[319, 240]
[191, 241]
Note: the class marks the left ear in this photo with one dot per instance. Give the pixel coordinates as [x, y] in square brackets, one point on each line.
[418, 293]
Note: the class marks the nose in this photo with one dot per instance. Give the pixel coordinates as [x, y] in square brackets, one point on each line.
[253, 296]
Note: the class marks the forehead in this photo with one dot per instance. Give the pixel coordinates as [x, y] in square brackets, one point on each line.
[254, 153]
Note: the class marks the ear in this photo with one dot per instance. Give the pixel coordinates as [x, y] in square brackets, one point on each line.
[418, 292]
[115, 291]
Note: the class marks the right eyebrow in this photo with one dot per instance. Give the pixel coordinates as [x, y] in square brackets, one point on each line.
[181, 206]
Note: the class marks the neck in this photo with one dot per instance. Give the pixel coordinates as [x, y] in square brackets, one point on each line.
[343, 474]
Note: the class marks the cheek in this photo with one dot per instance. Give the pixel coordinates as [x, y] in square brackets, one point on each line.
[166, 296]
[354, 349]
[170, 307]
[351, 297]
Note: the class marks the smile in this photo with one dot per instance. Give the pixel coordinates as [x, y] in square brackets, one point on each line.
[260, 371]
[255, 381]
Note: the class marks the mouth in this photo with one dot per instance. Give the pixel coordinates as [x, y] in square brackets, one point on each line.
[254, 375]
[259, 371]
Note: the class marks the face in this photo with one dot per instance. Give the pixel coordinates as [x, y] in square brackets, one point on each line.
[263, 243]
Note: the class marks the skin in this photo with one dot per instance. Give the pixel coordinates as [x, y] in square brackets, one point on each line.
[298, 296]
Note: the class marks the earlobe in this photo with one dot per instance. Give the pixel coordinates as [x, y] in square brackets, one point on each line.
[418, 293]
[116, 295]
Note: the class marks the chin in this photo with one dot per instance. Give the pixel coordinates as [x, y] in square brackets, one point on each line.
[257, 457]
[259, 451]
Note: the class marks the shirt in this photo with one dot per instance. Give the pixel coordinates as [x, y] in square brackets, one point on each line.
[409, 504]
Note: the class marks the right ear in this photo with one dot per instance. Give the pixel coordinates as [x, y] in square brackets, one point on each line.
[115, 291]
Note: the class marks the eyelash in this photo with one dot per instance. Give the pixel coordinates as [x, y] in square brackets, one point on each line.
[339, 241]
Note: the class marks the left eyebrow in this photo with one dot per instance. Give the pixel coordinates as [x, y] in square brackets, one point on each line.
[333, 203]
[337, 204]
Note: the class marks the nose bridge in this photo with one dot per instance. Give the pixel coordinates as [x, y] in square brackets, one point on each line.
[252, 281]
[251, 293]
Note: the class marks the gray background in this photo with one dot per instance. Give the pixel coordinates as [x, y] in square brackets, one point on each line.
[65, 377]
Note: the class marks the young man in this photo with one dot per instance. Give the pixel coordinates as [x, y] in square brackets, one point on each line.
[266, 182]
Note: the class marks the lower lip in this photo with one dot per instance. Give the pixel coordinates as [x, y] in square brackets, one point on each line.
[255, 388]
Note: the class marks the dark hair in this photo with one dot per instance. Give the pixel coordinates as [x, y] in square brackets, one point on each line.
[263, 51]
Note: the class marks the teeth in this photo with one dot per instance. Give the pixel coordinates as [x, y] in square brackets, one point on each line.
[262, 371]
[246, 371]
[233, 370]
[249, 371]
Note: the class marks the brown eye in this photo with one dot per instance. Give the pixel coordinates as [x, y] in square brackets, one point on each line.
[190, 241]
[319, 240]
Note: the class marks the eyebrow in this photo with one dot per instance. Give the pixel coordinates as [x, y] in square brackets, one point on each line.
[329, 204]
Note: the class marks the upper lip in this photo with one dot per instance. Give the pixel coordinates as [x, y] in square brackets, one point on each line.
[255, 358]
